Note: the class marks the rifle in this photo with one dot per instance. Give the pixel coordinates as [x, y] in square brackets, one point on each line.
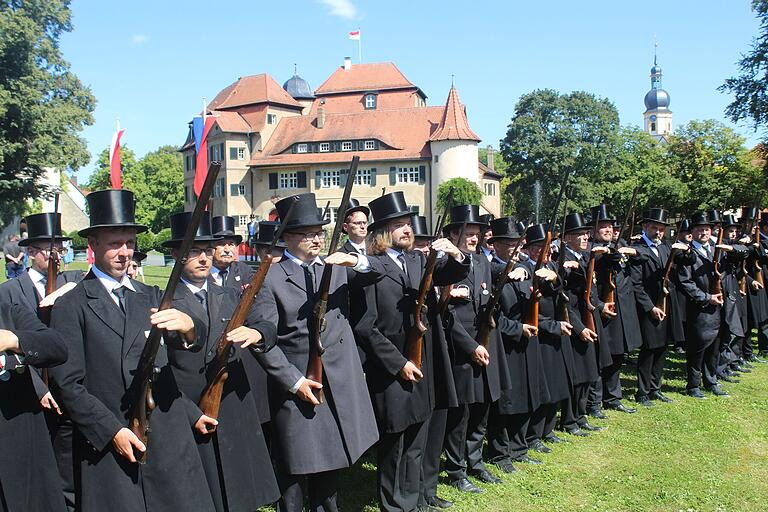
[44, 313]
[609, 295]
[661, 301]
[715, 286]
[217, 372]
[756, 239]
[415, 340]
[532, 317]
[142, 401]
[317, 327]
[563, 299]
[445, 291]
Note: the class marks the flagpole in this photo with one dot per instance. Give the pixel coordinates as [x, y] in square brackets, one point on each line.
[359, 46]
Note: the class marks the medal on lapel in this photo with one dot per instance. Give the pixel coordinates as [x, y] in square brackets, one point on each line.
[484, 288]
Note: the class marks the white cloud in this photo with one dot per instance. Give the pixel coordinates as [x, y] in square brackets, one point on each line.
[341, 8]
[138, 39]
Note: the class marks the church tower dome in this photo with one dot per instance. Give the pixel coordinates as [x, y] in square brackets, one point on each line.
[657, 116]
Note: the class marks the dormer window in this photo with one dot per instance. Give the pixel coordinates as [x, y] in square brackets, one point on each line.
[369, 144]
[271, 118]
[325, 147]
[301, 148]
[370, 101]
[346, 146]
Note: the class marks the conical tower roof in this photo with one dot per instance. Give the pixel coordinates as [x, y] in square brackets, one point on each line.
[454, 125]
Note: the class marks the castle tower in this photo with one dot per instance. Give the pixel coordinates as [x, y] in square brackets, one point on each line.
[657, 116]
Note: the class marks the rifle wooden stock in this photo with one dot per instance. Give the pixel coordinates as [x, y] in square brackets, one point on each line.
[758, 266]
[142, 401]
[715, 286]
[609, 292]
[487, 321]
[533, 307]
[445, 291]
[563, 300]
[587, 316]
[661, 301]
[317, 326]
[52, 272]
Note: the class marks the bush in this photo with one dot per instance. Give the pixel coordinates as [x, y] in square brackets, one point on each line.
[145, 241]
[163, 236]
[78, 242]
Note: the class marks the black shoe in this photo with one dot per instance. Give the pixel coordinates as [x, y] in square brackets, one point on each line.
[696, 393]
[552, 438]
[718, 391]
[505, 465]
[753, 358]
[644, 400]
[597, 413]
[661, 397]
[464, 485]
[527, 460]
[591, 428]
[726, 378]
[484, 476]
[679, 350]
[577, 432]
[438, 502]
[746, 364]
[618, 406]
[540, 447]
[427, 508]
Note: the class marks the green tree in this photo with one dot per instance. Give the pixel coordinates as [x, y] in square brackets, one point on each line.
[145, 241]
[43, 105]
[78, 242]
[551, 133]
[464, 192]
[163, 170]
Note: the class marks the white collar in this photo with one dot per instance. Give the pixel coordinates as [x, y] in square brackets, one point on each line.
[215, 271]
[109, 282]
[358, 247]
[578, 255]
[193, 288]
[650, 242]
[297, 261]
[698, 246]
[395, 254]
[35, 275]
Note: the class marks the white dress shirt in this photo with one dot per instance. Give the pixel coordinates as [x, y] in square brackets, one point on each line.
[110, 283]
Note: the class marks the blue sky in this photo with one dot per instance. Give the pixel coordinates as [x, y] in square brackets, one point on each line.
[152, 62]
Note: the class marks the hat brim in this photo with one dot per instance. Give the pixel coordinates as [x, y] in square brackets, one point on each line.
[692, 225]
[139, 256]
[504, 237]
[657, 221]
[175, 242]
[279, 244]
[361, 208]
[26, 241]
[237, 238]
[527, 243]
[380, 222]
[90, 229]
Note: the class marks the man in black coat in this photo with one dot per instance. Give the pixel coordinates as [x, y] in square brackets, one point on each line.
[703, 310]
[104, 322]
[403, 394]
[227, 270]
[28, 476]
[677, 300]
[234, 455]
[355, 227]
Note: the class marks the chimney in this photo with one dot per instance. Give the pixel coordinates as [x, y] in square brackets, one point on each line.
[347, 63]
[320, 117]
[490, 153]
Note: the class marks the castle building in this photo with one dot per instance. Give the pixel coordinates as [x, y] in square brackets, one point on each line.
[278, 141]
[657, 116]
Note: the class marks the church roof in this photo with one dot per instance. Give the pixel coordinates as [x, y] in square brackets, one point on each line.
[251, 90]
[454, 125]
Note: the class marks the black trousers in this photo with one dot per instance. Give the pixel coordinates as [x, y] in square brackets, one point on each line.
[595, 395]
[650, 366]
[465, 432]
[322, 489]
[573, 410]
[729, 352]
[542, 423]
[430, 461]
[398, 471]
[61, 429]
[701, 364]
[612, 380]
[506, 436]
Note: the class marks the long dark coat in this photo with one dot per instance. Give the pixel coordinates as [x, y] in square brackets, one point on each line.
[622, 332]
[356, 302]
[757, 300]
[29, 479]
[703, 319]
[235, 456]
[648, 274]
[733, 301]
[333, 435]
[382, 331]
[474, 383]
[239, 274]
[95, 388]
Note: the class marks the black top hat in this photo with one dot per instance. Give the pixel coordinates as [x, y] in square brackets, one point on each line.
[505, 228]
[714, 217]
[729, 220]
[179, 223]
[224, 226]
[305, 211]
[267, 231]
[139, 256]
[387, 207]
[354, 206]
[419, 226]
[111, 209]
[520, 226]
[763, 218]
[468, 213]
[748, 213]
[487, 218]
[685, 226]
[600, 213]
[535, 233]
[700, 219]
[41, 226]
[658, 215]
[575, 222]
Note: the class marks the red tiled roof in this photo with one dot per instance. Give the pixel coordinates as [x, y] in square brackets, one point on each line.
[454, 125]
[365, 77]
[231, 122]
[249, 90]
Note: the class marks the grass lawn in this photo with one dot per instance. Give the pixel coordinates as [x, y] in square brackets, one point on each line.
[691, 455]
[154, 275]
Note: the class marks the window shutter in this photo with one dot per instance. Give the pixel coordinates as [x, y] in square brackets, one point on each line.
[343, 177]
[373, 176]
[318, 179]
[393, 175]
[221, 151]
[301, 179]
[375, 144]
[293, 148]
[233, 153]
[337, 146]
[234, 190]
[422, 173]
[272, 181]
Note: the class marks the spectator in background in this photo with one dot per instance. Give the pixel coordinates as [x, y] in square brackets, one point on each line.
[14, 259]
[69, 256]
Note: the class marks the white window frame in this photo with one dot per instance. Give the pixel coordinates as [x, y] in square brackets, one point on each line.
[271, 118]
[370, 105]
[408, 174]
[241, 153]
[325, 147]
[242, 221]
[490, 189]
[330, 215]
[217, 152]
[330, 178]
[346, 146]
[302, 148]
[363, 177]
[287, 179]
[369, 145]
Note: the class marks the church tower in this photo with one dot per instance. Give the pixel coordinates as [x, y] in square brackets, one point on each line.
[657, 116]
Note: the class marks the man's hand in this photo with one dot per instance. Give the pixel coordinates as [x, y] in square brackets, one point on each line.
[47, 402]
[571, 264]
[680, 246]
[125, 441]
[566, 328]
[724, 247]
[481, 356]
[341, 259]
[609, 310]
[627, 251]
[657, 314]
[600, 249]
[9, 342]
[716, 299]
[446, 246]
[518, 274]
[756, 286]
[410, 373]
[530, 330]
[205, 424]
[546, 274]
[172, 320]
[588, 336]
[305, 391]
[460, 292]
[50, 299]
[245, 336]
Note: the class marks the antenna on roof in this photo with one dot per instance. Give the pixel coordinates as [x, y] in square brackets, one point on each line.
[452, 79]
[295, 69]
[655, 46]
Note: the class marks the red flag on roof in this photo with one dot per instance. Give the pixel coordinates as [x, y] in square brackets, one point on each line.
[114, 159]
[355, 34]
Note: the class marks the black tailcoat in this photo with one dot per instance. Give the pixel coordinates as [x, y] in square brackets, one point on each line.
[695, 272]
[622, 332]
[648, 274]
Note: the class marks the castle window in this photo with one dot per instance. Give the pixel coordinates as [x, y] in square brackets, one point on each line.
[653, 127]
[325, 147]
[369, 144]
[330, 179]
[331, 213]
[346, 146]
[242, 220]
[363, 177]
[289, 179]
[370, 101]
[490, 189]
[408, 175]
[301, 148]
[271, 118]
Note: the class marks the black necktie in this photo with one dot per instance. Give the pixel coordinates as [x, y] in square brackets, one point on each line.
[361, 251]
[309, 279]
[223, 275]
[202, 296]
[401, 259]
[120, 294]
